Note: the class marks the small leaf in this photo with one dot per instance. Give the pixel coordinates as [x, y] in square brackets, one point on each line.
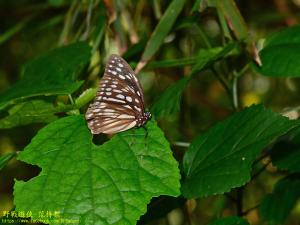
[232, 220]
[163, 28]
[51, 74]
[107, 184]
[169, 102]
[36, 111]
[6, 158]
[280, 54]
[230, 12]
[276, 206]
[221, 158]
[85, 97]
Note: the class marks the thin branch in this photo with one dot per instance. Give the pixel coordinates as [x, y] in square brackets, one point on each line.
[222, 80]
[88, 21]
[239, 202]
[69, 22]
[250, 209]
[260, 170]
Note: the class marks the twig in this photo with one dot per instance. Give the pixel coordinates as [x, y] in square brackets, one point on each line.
[236, 76]
[235, 99]
[239, 200]
[249, 210]
[69, 22]
[260, 170]
[222, 80]
[88, 21]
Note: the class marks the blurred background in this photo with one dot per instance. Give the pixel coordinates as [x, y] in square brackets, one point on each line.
[29, 28]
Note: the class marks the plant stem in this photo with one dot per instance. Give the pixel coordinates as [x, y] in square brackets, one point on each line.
[239, 202]
[260, 170]
[88, 21]
[250, 209]
[222, 80]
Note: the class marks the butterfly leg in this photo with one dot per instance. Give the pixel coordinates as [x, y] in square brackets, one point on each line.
[146, 130]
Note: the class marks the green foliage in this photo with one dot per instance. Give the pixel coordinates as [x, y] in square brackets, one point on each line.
[276, 206]
[229, 12]
[112, 179]
[163, 28]
[35, 111]
[230, 221]
[221, 158]
[281, 53]
[169, 102]
[107, 184]
[6, 158]
[51, 74]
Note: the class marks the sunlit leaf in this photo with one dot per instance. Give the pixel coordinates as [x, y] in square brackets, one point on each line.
[107, 184]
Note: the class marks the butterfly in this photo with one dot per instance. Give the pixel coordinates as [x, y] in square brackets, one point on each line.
[119, 102]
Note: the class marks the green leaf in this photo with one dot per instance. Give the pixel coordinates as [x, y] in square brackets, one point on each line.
[197, 5]
[232, 220]
[6, 158]
[51, 74]
[36, 111]
[280, 54]
[163, 28]
[230, 12]
[169, 102]
[276, 206]
[85, 97]
[107, 184]
[221, 158]
[286, 156]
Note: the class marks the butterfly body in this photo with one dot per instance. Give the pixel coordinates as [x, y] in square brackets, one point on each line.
[119, 103]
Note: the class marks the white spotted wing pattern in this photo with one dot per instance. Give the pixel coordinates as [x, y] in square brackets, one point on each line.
[119, 103]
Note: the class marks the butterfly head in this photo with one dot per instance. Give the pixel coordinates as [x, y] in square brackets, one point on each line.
[147, 116]
[143, 119]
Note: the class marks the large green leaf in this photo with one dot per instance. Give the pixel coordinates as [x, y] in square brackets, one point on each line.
[163, 28]
[232, 220]
[51, 74]
[276, 206]
[280, 55]
[169, 102]
[221, 158]
[35, 111]
[107, 184]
